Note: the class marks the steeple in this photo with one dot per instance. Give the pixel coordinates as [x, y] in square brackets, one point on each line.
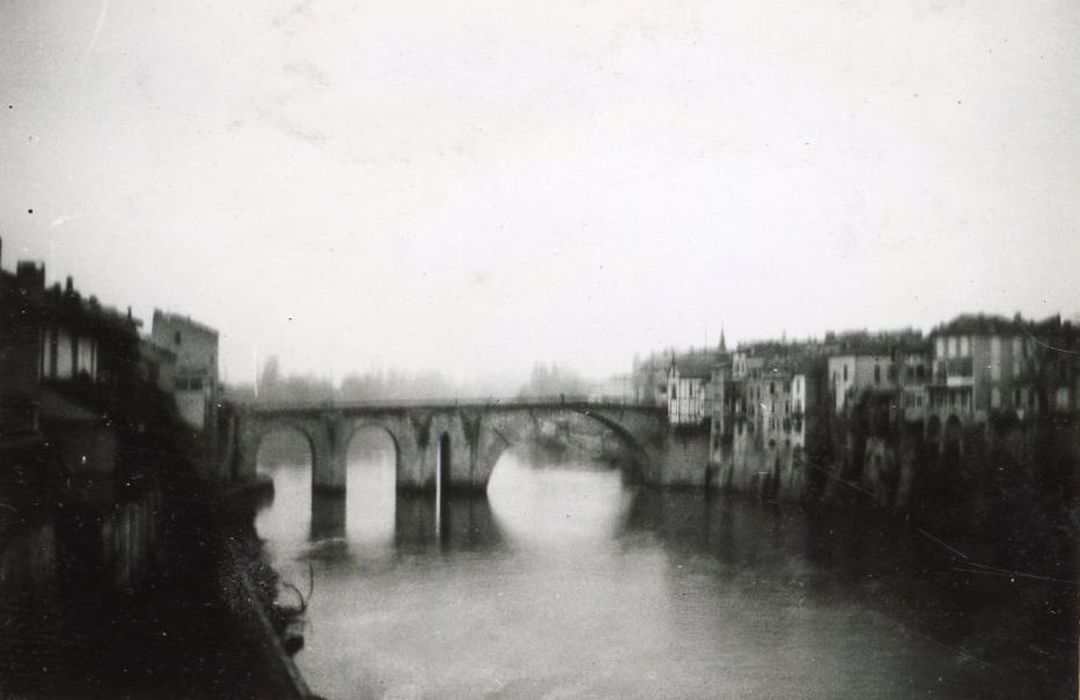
[723, 345]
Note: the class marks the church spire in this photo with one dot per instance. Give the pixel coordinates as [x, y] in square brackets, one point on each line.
[723, 344]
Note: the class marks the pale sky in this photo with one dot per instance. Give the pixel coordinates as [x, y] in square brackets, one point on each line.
[472, 186]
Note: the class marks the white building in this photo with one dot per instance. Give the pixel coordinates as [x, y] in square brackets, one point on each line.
[688, 378]
[196, 350]
[850, 375]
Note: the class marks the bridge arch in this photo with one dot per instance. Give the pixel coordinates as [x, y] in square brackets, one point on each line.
[357, 428]
[503, 430]
[641, 457]
[316, 440]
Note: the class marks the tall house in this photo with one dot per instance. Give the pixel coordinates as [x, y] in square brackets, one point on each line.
[67, 371]
[688, 378]
[196, 376]
[983, 364]
[856, 375]
[888, 371]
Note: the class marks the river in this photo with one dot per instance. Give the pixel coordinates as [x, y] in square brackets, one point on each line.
[567, 583]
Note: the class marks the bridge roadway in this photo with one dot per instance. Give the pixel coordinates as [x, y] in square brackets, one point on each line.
[455, 444]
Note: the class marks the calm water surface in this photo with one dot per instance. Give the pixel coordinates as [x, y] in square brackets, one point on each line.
[566, 583]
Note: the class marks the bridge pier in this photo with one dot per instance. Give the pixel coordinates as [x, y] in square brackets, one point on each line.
[328, 471]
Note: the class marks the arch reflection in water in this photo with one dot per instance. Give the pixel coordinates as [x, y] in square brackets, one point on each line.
[557, 506]
[371, 490]
[285, 520]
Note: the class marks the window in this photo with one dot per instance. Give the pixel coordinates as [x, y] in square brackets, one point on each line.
[84, 357]
[48, 340]
[65, 354]
[176, 337]
[845, 373]
[772, 388]
[954, 347]
[939, 347]
[920, 372]
[995, 398]
[877, 374]
[965, 347]
[674, 392]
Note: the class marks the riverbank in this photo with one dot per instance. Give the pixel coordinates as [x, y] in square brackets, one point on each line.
[191, 623]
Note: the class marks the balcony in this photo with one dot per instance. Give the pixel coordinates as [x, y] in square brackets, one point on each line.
[954, 371]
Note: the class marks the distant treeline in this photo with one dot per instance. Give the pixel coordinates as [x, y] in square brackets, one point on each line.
[392, 385]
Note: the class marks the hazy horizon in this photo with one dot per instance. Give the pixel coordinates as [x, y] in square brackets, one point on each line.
[472, 188]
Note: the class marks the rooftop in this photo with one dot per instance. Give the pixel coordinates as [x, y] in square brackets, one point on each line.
[171, 319]
[699, 365]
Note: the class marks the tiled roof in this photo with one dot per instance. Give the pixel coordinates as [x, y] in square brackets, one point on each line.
[699, 366]
[981, 324]
[186, 320]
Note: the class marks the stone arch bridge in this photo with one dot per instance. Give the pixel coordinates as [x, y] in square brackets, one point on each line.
[457, 444]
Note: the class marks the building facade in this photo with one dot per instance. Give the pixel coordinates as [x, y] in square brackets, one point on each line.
[688, 377]
[195, 347]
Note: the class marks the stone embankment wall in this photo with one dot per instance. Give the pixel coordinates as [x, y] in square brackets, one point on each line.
[770, 470]
[904, 470]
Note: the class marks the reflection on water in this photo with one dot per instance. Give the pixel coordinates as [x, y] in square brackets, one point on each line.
[568, 584]
[361, 521]
[557, 508]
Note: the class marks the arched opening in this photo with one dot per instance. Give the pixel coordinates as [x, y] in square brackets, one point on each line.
[371, 487]
[285, 455]
[933, 430]
[950, 453]
[556, 506]
[563, 481]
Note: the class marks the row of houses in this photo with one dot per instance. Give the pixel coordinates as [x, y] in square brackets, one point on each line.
[72, 371]
[967, 371]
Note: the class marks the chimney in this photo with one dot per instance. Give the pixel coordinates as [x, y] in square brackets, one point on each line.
[30, 276]
[69, 287]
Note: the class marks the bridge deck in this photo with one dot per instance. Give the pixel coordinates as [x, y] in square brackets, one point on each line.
[493, 404]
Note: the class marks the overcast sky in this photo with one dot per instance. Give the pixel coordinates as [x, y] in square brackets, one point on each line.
[471, 186]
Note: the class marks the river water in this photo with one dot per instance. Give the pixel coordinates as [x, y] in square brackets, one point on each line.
[566, 583]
